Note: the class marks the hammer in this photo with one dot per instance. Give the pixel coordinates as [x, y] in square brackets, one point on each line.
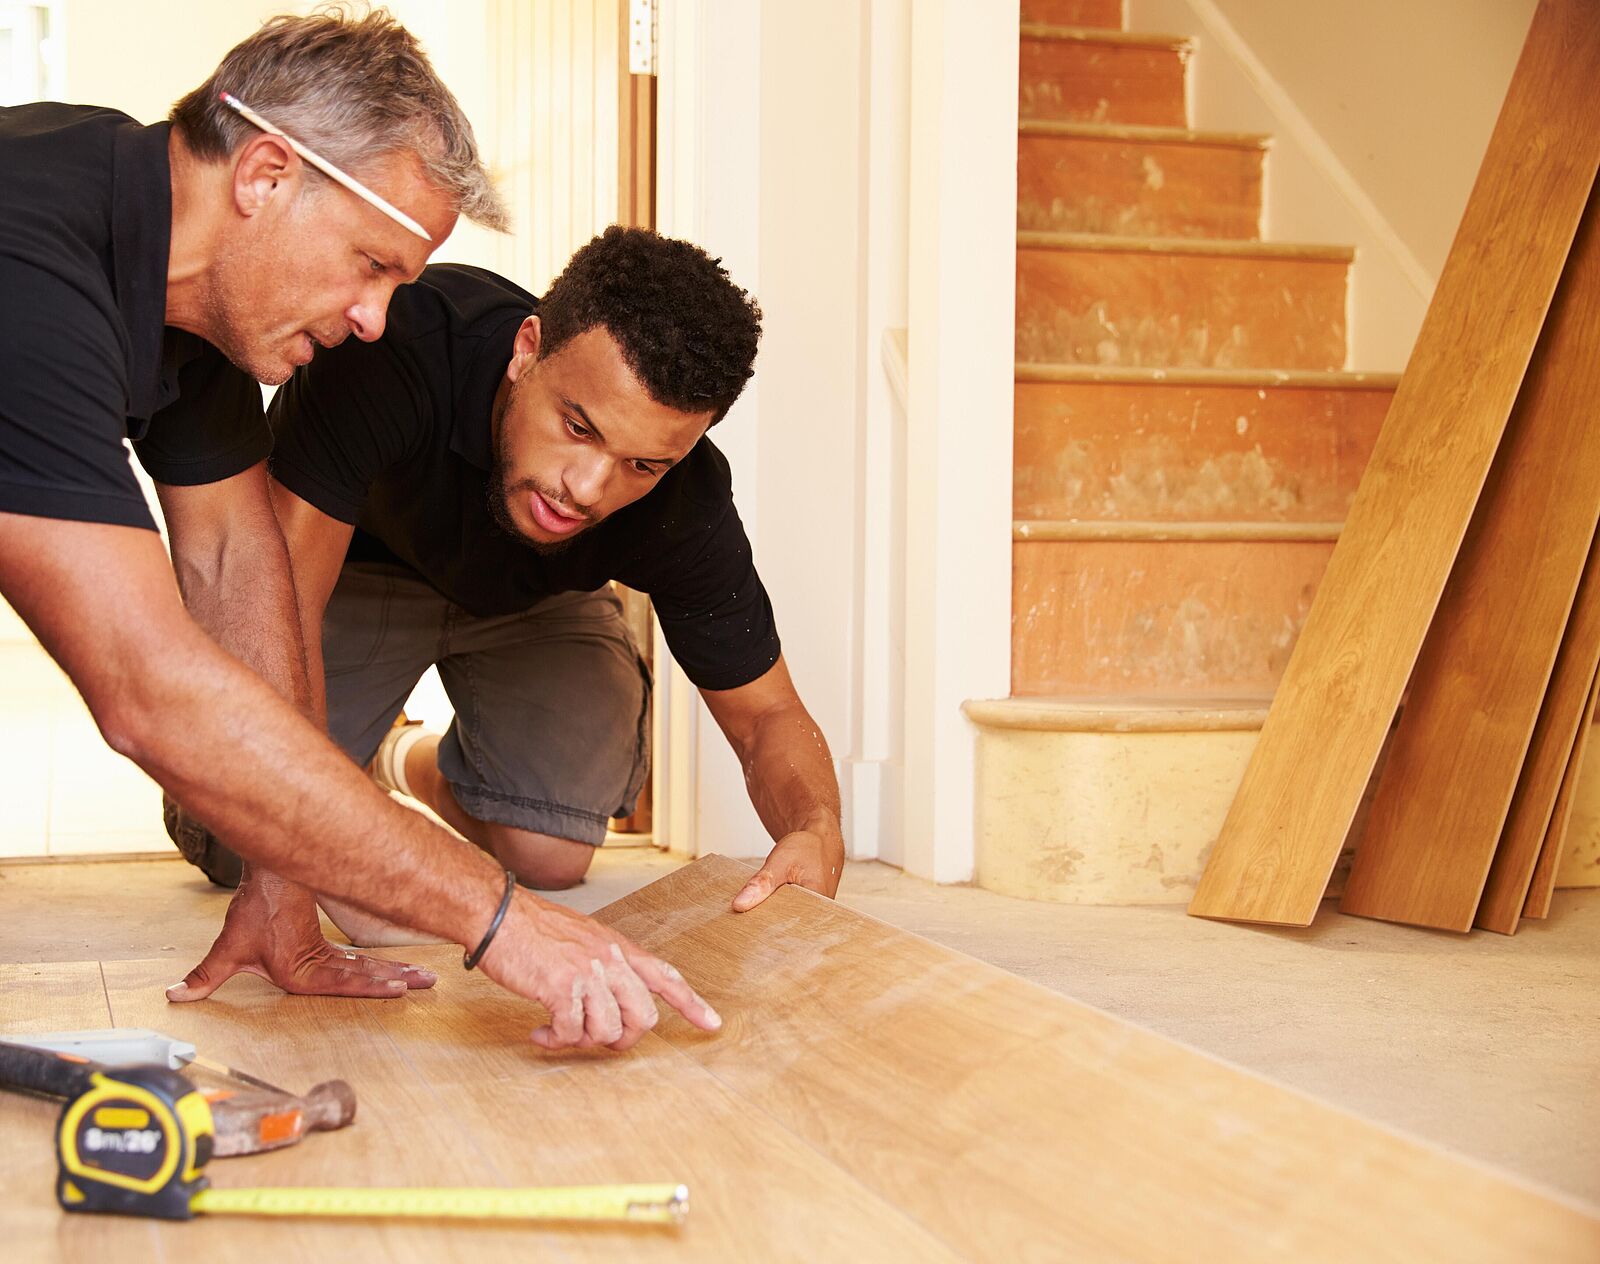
[249, 1121]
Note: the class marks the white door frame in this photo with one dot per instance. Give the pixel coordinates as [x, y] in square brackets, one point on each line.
[959, 239]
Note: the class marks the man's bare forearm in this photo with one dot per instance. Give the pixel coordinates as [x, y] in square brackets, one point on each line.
[233, 570]
[788, 772]
[207, 730]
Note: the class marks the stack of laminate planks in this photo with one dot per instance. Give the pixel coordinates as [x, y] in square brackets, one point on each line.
[1467, 566]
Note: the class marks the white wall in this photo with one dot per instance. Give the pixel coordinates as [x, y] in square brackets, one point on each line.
[867, 189]
[1404, 94]
[1380, 115]
[763, 161]
[708, 190]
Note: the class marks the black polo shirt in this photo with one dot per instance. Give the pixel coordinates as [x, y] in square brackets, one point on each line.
[396, 438]
[85, 357]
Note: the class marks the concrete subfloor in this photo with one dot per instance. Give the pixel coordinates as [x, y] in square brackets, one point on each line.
[1485, 1045]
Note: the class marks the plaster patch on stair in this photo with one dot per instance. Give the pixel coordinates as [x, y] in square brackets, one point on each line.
[1092, 336]
[1154, 482]
[1058, 864]
[1192, 645]
[1156, 479]
[1097, 215]
[1154, 176]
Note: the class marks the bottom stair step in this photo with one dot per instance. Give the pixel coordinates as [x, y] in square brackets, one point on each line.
[1119, 800]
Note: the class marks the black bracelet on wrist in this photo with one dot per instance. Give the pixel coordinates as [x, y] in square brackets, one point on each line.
[476, 955]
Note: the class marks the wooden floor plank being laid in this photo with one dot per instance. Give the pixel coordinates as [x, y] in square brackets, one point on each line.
[1485, 668]
[451, 1092]
[1550, 753]
[1017, 1124]
[871, 1096]
[1341, 689]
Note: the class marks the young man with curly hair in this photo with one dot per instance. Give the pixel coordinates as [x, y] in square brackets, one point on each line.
[460, 492]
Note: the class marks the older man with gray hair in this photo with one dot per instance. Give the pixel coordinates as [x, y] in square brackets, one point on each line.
[149, 278]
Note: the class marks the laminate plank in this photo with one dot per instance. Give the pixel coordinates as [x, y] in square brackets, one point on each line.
[1549, 756]
[1543, 884]
[1343, 684]
[58, 996]
[1486, 665]
[1018, 1124]
[451, 1092]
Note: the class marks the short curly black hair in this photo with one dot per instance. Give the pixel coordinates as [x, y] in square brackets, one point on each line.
[686, 330]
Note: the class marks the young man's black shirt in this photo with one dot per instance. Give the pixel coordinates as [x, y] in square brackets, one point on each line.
[395, 437]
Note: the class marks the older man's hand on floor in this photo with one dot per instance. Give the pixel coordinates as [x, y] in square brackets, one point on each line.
[272, 930]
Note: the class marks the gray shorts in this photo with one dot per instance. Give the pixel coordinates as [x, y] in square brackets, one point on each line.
[552, 725]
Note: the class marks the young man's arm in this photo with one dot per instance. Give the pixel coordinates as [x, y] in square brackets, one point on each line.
[233, 571]
[789, 774]
[102, 601]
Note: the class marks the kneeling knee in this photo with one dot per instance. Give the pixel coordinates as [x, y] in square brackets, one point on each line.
[542, 862]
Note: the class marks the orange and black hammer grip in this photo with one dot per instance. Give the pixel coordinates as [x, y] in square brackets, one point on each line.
[31, 1070]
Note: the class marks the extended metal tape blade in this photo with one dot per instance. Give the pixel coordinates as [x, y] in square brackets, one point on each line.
[642, 1204]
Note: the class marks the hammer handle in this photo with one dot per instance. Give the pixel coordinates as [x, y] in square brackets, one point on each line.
[40, 1071]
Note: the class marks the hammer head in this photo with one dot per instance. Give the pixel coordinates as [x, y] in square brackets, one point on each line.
[253, 1121]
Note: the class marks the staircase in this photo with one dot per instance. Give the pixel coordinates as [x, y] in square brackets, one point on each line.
[1187, 442]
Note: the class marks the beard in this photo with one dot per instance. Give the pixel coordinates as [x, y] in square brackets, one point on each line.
[501, 492]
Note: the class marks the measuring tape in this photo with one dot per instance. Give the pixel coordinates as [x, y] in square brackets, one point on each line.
[645, 1204]
[136, 1141]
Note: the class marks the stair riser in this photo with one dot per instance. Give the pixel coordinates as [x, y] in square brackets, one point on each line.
[1107, 451]
[1071, 184]
[1094, 82]
[1105, 818]
[1102, 13]
[1197, 311]
[1179, 618]
[1130, 818]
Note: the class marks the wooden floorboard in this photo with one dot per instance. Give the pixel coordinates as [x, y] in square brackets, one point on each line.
[1485, 669]
[1505, 892]
[1342, 687]
[1018, 1124]
[871, 1096]
[1542, 886]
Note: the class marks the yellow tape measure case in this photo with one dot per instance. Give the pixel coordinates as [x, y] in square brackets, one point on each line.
[134, 1143]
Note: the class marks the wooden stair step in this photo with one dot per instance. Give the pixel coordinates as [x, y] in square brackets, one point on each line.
[1175, 445]
[1183, 609]
[1084, 298]
[1139, 181]
[1089, 799]
[1099, 76]
[1094, 799]
[1122, 713]
[1101, 13]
